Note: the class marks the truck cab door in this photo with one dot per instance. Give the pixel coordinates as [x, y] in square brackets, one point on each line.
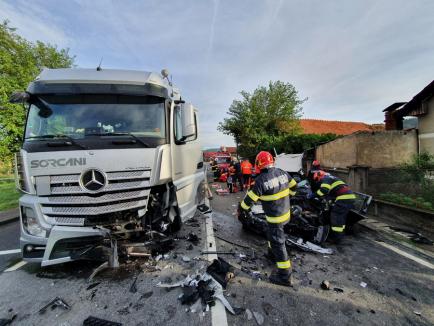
[187, 161]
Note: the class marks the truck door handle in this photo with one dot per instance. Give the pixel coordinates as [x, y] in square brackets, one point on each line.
[200, 165]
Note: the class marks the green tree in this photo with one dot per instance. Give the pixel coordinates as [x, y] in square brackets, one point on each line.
[20, 62]
[264, 118]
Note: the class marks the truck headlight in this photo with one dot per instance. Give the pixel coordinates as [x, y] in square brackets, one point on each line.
[31, 224]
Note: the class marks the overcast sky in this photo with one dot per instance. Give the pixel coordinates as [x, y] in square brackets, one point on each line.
[350, 58]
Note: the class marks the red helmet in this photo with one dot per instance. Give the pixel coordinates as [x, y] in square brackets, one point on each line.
[264, 160]
[319, 175]
[315, 163]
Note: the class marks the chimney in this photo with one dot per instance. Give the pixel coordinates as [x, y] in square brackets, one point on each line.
[392, 120]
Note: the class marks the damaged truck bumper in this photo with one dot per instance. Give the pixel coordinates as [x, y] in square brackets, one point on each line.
[48, 244]
[63, 244]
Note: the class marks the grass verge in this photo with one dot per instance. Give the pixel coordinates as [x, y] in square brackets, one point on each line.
[8, 195]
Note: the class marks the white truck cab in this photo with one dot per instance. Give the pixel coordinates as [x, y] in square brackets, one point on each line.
[106, 153]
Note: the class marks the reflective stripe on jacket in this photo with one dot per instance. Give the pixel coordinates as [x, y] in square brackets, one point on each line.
[335, 188]
[272, 187]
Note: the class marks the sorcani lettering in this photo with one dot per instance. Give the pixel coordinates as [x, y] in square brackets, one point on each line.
[54, 163]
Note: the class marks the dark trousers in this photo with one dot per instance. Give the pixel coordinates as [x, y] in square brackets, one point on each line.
[338, 215]
[276, 242]
[246, 179]
[239, 179]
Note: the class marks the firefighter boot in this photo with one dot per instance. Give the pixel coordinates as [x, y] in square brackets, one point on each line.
[281, 277]
[335, 238]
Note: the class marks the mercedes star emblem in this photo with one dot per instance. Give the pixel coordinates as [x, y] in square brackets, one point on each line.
[93, 180]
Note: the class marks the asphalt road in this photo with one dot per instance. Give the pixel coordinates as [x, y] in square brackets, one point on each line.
[9, 240]
[399, 291]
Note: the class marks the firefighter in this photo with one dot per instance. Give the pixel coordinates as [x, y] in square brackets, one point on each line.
[335, 189]
[231, 180]
[246, 170]
[314, 168]
[273, 187]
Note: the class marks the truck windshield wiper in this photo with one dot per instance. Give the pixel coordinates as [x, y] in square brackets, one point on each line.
[137, 139]
[70, 142]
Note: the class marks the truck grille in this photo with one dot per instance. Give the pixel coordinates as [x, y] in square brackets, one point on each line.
[70, 204]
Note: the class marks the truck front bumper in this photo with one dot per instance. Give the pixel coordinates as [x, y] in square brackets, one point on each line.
[62, 245]
[54, 244]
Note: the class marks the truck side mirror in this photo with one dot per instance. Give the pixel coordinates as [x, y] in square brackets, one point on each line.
[188, 120]
[185, 123]
[19, 97]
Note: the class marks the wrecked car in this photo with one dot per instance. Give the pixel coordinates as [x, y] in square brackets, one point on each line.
[107, 155]
[310, 217]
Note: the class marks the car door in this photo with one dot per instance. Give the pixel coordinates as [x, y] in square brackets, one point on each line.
[187, 160]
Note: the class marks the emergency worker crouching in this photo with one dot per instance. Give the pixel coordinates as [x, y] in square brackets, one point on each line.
[340, 193]
[273, 187]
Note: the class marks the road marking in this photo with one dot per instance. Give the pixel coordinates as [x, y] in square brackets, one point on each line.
[8, 252]
[16, 266]
[406, 254]
[218, 311]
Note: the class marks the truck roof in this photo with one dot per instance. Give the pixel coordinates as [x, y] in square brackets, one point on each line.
[99, 77]
[103, 76]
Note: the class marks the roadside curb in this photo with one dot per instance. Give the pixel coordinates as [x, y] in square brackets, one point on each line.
[396, 238]
[9, 216]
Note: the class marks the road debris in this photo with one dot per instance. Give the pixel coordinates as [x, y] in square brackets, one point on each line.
[133, 287]
[221, 271]
[363, 284]
[231, 242]
[202, 286]
[218, 253]
[193, 238]
[249, 314]
[186, 259]
[8, 320]
[253, 273]
[95, 321]
[307, 246]
[222, 192]
[258, 317]
[91, 286]
[97, 270]
[338, 290]
[417, 313]
[325, 285]
[56, 302]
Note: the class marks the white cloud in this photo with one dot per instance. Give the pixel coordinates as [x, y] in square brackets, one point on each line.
[33, 22]
[351, 58]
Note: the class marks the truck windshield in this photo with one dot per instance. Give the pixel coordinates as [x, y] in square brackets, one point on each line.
[82, 116]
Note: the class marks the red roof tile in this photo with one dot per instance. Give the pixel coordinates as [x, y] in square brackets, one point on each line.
[314, 126]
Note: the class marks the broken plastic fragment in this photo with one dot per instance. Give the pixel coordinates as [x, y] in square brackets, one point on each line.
[363, 284]
[186, 259]
[258, 317]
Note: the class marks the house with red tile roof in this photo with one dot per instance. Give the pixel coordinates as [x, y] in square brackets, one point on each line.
[341, 128]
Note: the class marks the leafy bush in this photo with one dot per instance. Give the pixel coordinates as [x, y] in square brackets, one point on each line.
[397, 198]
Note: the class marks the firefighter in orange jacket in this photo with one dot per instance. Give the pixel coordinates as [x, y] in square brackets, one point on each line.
[246, 170]
[273, 187]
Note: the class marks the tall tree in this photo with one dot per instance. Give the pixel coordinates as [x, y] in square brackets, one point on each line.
[20, 62]
[263, 118]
